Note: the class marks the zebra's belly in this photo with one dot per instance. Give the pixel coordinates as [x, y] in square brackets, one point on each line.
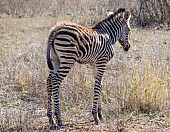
[106, 53]
[89, 54]
[87, 60]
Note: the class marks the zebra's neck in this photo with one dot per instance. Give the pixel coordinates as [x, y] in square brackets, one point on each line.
[111, 27]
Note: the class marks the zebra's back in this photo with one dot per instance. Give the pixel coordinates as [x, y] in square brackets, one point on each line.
[84, 44]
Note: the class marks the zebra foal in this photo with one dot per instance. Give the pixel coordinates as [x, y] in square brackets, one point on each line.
[69, 43]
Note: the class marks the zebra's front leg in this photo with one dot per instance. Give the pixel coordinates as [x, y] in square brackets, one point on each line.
[96, 110]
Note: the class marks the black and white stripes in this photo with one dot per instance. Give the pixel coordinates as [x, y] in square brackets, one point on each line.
[69, 43]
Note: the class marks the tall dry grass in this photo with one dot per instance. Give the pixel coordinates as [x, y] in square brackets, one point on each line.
[147, 90]
[145, 13]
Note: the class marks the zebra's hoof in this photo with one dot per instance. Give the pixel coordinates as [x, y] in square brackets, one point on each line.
[60, 124]
[96, 118]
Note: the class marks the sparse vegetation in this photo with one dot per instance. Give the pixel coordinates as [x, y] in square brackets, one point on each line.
[136, 85]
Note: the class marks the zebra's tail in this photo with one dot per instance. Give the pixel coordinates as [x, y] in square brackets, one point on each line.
[49, 46]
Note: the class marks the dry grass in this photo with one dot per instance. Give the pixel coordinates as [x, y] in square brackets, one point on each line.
[148, 89]
[136, 85]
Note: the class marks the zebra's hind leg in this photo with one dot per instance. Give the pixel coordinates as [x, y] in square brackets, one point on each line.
[56, 80]
[49, 105]
[64, 68]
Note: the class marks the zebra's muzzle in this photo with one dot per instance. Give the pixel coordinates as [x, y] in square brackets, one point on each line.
[126, 47]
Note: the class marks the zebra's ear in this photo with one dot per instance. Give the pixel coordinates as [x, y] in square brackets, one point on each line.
[127, 16]
[108, 13]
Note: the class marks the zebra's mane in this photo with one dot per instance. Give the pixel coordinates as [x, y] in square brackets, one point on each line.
[117, 14]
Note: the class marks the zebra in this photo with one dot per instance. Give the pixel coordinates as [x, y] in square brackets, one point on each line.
[69, 43]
